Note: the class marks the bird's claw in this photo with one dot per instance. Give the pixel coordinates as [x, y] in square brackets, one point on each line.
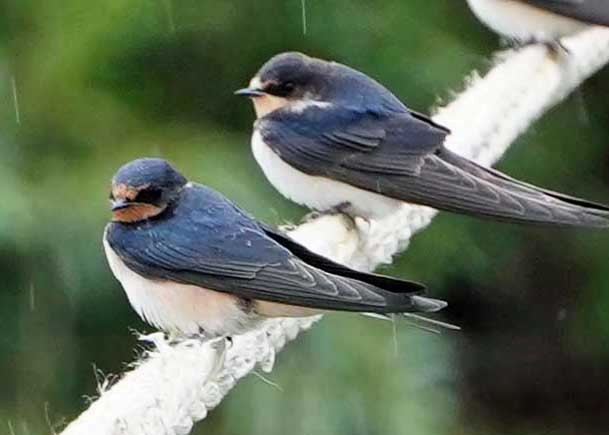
[557, 48]
[343, 208]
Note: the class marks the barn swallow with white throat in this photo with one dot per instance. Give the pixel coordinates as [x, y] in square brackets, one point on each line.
[540, 20]
[328, 136]
[192, 262]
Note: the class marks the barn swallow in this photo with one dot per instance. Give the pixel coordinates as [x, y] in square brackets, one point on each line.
[328, 136]
[192, 262]
[540, 20]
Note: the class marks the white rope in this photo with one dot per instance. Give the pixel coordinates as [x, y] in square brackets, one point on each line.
[177, 384]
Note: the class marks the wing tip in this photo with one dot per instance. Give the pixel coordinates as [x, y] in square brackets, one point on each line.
[598, 220]
[427, 305]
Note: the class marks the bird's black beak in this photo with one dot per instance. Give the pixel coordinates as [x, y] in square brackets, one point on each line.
[119, 204]
[250, 92]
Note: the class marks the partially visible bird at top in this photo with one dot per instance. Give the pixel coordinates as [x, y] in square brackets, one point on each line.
[330, 137]
[540, 21]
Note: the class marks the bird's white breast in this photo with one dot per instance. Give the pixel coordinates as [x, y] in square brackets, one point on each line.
[517, 20]
[180, 308]
[319, 193]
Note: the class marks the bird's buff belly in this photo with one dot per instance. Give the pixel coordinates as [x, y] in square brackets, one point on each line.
[189, 310]
[179, 308]
[319, 193]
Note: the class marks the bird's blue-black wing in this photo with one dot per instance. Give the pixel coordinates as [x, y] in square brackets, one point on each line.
[403, 157]
[208, 242]
[342, 139]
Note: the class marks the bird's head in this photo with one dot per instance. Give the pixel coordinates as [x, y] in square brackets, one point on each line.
[144, 188]
[287, 79]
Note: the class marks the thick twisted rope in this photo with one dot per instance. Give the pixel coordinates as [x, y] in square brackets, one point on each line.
[175, 386]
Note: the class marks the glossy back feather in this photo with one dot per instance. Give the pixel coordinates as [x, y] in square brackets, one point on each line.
[402, 156]
[207, 241]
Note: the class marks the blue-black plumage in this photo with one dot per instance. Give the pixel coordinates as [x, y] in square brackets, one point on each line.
[328, 136]
[190, 260]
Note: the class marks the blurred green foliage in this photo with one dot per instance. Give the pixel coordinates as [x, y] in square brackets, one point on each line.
[100, 83]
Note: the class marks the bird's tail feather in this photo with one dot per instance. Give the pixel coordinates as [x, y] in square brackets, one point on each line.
[466, 187]
[420, 322]
[423, 304]
[433, 322]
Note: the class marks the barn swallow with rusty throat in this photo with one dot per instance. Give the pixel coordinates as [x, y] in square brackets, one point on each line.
[540, 20]
[192, 262]
[328, 136]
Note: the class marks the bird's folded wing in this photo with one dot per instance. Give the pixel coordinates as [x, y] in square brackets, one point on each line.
[404, 163]
[340, 140]
[327, 265]
[243, 260]
[408, 162]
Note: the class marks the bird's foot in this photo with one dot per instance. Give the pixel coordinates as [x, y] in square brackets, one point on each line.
[175, 337]
[522, 43]
[516, 44]
[200, 335]
[311, 216]
[343, 208]
[557, 49]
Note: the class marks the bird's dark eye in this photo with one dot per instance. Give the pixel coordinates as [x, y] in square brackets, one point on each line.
[287, 87]
[149, 196]
[282, 89]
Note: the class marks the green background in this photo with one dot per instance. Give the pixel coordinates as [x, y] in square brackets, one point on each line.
[100, 83]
